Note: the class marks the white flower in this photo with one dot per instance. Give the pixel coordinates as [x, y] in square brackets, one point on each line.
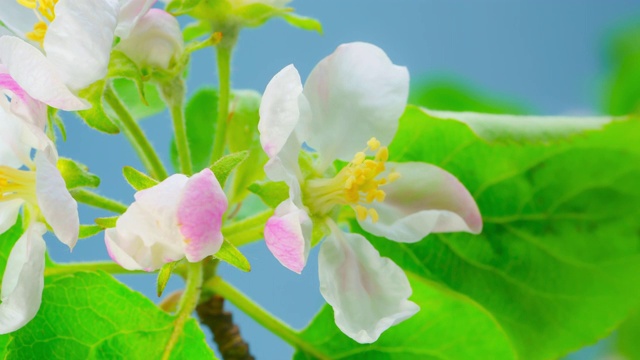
[155, 41]
[75, 40]
[36, 186]
[348, 110]
[180, 217]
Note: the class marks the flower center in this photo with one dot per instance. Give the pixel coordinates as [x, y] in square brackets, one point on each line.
[17, 184]
[44, 10]
[357, 184]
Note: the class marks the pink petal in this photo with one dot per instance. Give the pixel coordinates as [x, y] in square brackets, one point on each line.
[200, 211]
[288, 236]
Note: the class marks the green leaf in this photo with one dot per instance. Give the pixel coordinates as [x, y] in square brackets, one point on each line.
[559, 246]
[628, 335]
[163, 276]
[107, 222]
[179, 7]
[77, 175]
[200, 120]
[137, 179]
[447, 93]
[129, 94]
[233, 256]
[242, 134]
[7, 240]
[302, 22]
[223, 167]
[272, 193]
[622, 91]
[93, 316]
[256, 14]
[96, 117]
[89, 230]
[195, 30]
[518, 128]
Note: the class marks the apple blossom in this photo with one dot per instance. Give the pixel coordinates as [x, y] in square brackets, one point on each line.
[74, 38]
[348, 110]
[181, 217]
[36, 186]
[155, 41]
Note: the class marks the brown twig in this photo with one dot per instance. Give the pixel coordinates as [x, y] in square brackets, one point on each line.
[225, 333]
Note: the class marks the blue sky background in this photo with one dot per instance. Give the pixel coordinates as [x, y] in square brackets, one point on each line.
[546, 53]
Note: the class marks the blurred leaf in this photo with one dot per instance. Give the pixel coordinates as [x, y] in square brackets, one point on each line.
[200, 120]
[622, 91]
[242, 134]
[92, 316]
[448, 94]
[87, 231]
[628, 336]
[107, 222]
[76, 175]
[555, 266]
[272, 193]
[96, 117]
[137, 179]
[302, 22]
[233, 256]
[163, 277]
[195, 30]
[223, 167]
[256, 14]
[181, 6]
[129, 94]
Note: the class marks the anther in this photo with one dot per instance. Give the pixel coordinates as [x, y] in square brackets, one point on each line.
[373, 144]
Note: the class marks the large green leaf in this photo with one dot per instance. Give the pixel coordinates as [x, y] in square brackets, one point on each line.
[200, 120]
[556, 265]
[92, 316]
[628, 335]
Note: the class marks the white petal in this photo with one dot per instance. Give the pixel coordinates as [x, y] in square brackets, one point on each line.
[147, 235]
[280, 111]
[9, 211]
[288, 236]
[138, 241]
[13, 152]
[423, 200]
[23, 280]
[130, 13]
[368, 293]
[155, 41]
[355, 94]
[37, 75]
[56, 204]
[78, 41]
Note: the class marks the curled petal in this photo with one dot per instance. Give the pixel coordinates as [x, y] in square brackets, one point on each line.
[130, 13]
[155, 41]
[79, 40]
[280, 111]
[200, 211]
[288, 236]
[37, 75]
[368, 293]
[355, 94]
[18, 19]
[424, 199]
[56, 204]
[23, 280]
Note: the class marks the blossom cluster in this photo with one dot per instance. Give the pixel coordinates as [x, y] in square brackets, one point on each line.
[327, 140]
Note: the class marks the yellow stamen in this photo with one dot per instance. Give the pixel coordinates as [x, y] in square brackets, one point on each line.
[44, 10]
[357, 184]
[17, 184]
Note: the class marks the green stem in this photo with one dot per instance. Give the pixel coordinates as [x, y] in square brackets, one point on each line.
[136, 136]
[262, 317]
[247, 230]
[109, 267]
[173, 92]
[223, 53]
[188, 304]
[98, 201]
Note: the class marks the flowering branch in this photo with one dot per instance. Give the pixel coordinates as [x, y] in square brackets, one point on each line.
[98, 201]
